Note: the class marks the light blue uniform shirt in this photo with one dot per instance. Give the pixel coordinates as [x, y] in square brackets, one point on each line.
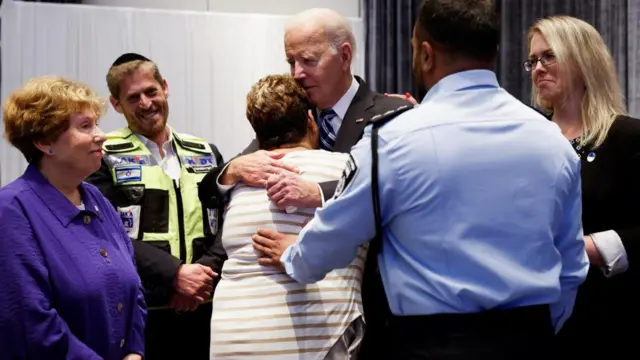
[481, 207]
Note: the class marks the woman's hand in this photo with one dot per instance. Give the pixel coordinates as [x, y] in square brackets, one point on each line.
[133, 357]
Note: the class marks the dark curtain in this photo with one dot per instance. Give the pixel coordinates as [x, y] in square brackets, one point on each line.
[389, 24]
[389, 27]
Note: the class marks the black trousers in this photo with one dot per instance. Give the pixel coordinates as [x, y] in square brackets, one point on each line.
[171, 335]
[524, 333]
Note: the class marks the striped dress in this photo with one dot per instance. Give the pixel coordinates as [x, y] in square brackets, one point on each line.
[259, 312]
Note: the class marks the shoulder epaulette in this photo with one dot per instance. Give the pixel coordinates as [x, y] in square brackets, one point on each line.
[381, 119]
[117, 141]
[192, 143]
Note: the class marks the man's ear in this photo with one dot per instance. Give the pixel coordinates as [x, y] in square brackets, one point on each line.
[346, 55]
[116, 104]
[165, 88]
[427, 54]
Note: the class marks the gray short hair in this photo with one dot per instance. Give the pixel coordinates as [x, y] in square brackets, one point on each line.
[335, 26]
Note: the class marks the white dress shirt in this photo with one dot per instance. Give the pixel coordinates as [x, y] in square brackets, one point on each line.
[170, 164]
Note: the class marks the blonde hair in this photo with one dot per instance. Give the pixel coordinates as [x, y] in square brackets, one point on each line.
[580, 51]
[117, 73]
[277, 108]
[40, 111]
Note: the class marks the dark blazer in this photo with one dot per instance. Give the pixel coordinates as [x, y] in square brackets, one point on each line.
[610, 307]
[363, 107]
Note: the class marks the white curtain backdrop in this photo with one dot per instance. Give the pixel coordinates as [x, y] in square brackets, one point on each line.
[210, 61]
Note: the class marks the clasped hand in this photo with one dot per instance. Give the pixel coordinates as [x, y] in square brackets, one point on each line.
[193, 285]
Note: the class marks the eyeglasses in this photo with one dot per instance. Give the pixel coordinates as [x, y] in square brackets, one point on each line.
[545, 60]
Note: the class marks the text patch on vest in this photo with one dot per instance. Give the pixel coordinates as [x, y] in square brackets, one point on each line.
[114, 160]
[198, 164]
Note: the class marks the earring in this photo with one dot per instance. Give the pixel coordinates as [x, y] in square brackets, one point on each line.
[51, 151]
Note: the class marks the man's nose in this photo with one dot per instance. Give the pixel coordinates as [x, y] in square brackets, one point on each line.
[145, 102]
[297, 71]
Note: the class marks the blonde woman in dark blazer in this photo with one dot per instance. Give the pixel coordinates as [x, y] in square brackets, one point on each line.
[574, 80]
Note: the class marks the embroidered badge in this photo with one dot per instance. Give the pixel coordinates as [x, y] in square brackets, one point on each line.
[347, 175]
[212, 214]
[198, 164]
[130, 216]
[128, 173]
[114, 160]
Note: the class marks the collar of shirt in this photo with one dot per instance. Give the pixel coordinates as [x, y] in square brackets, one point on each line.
[462, 80]
[170, 164]
[59, 205]
[341, 107]
[153, 147]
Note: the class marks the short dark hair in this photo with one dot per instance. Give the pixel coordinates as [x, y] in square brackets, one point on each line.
[461, 27]
[277, 108]
[125, 65]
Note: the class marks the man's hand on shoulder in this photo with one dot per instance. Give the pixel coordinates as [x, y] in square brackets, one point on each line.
[254, 169]
[288, 189]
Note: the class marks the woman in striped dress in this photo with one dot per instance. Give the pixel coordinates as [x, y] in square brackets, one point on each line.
[259, 312]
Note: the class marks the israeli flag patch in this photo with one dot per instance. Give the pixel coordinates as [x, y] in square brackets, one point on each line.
[128, 173]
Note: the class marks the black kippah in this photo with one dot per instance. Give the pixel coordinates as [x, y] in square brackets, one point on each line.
[128, 57]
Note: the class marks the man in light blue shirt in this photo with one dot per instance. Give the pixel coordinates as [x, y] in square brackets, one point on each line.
[480, 197]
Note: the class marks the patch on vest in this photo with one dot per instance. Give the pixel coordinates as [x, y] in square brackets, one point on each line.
[198, 164]
[130, 217]
[347, 175]
[127, 173]
[113, 160]
[212, 214]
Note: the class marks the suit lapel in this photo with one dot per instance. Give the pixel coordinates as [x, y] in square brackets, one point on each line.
[355, 119]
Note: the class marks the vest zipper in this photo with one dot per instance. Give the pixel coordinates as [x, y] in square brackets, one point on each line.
[183, 245]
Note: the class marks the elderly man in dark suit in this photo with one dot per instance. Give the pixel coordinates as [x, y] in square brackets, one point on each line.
[320, 47]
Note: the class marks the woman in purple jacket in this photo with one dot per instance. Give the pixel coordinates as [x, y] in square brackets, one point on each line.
[70, 289]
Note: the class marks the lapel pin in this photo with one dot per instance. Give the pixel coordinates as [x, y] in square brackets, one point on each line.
[591, 156]
[360, 120]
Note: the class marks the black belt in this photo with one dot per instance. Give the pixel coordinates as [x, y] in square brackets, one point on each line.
[502, 320]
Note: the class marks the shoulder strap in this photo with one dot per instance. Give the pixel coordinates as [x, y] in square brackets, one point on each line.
[119, 141]
[192, 143]
[375, 245]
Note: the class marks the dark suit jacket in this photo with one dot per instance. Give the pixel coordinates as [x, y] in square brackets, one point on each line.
[363, 107]
[611, 201]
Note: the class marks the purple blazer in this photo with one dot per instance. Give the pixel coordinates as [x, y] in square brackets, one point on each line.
[70, 289]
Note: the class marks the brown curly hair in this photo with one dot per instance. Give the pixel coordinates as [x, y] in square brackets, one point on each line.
[40, 111]
[277, 108]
